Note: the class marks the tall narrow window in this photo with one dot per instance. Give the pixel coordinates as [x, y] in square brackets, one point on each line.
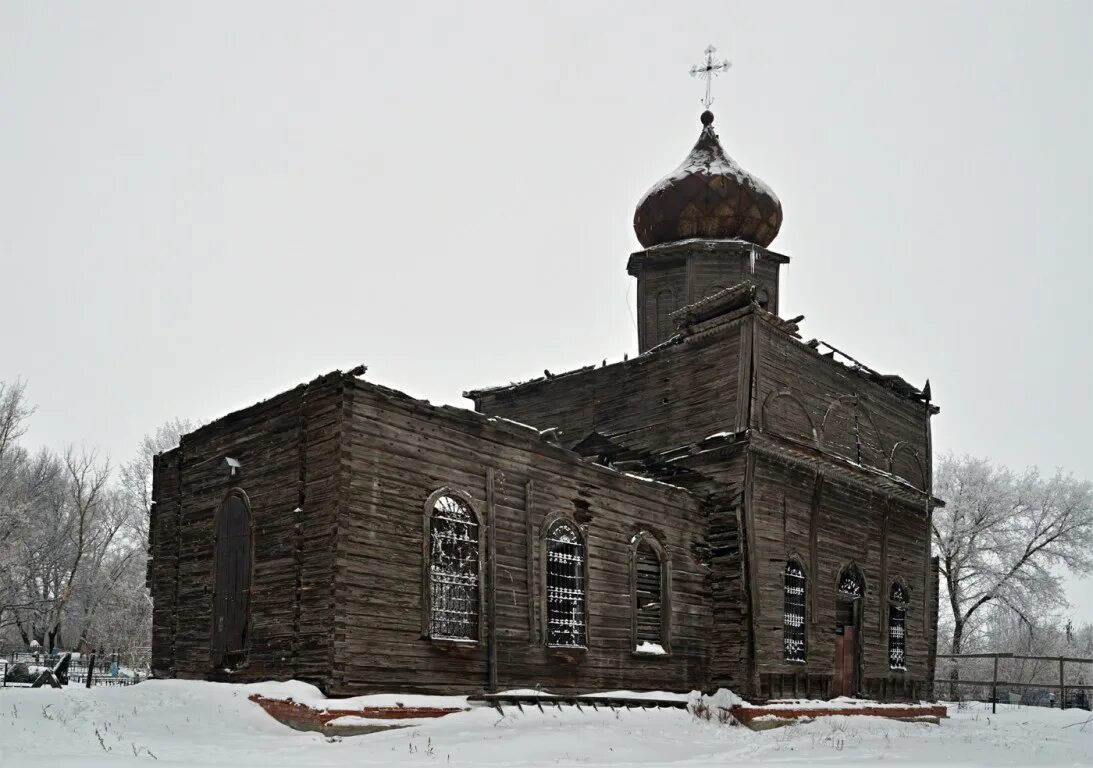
[898, 598]
[453, 570]
[565, 569]
[651, 608]
[793, 627]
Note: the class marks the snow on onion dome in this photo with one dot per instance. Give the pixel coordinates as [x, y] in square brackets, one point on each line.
[708, 196]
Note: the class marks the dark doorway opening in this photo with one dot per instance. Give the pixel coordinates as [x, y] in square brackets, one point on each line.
[231, 590]
[848, 615]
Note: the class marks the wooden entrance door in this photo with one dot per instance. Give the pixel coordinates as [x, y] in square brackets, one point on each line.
[848, 612]
[846, 662]
[231, 595]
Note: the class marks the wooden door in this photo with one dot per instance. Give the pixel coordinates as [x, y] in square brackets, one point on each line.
[847, 642]
[231, 595]
[846, 661]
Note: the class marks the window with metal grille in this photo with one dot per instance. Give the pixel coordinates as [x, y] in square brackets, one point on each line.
[848, 598]
[648, 600]
[565, 575]
[898, 598]
[793, 628]
[851, 583]
[453, 570]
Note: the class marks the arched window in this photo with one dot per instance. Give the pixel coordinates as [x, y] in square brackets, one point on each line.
[851, 583]
[898, 597]
[454, 569]
[565, 582]
[651, 595]
[793, 626]
[848, 597]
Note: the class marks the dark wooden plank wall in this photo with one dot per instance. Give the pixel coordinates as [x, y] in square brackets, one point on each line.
[722, 479]
[289, 448]
[881, 535]
[817, 384]
[662, 290]
[711, 272]
[690, 273]
[931, 632]
[675, 396]
[163, 565]
[400, 451]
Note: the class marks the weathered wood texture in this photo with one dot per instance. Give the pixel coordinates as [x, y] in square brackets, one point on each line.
[804, 396]
[825, 439]
[674, 275]
[931, 636]
[722, 480]
[675, 396]
[782, 452]
[399, 451]
[879, 535]
[288, 448]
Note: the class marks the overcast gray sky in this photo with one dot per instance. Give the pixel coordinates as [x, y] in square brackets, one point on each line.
[202, 204]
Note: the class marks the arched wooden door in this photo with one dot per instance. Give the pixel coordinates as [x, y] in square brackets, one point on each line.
[231, 590]
[848, 613]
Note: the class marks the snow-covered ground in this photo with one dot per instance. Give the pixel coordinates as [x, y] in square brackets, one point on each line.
[180, 723]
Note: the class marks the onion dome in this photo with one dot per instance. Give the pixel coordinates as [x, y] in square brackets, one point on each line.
[708, 196]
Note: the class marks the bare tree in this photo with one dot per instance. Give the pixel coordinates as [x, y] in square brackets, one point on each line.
[86, 477]
[73, 539]
[136, 475]
[16, 491]
[14, 413]
[1002, 538]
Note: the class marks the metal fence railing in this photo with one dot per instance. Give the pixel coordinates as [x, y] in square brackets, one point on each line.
[82, 670]
[1062, 681]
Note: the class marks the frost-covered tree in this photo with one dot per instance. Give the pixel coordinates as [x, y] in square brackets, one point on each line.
[1002, 539]
[73, 540]
[136, 475]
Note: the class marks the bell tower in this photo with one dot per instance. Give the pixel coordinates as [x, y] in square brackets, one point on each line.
[705, 227]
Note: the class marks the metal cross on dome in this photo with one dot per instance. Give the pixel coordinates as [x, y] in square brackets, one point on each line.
[708, 70]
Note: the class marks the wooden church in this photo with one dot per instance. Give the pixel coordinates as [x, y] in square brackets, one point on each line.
[732, 507]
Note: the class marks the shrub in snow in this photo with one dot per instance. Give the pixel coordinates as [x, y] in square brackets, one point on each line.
[715, 706]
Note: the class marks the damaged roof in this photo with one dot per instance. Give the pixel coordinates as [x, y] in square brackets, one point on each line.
[721, 307]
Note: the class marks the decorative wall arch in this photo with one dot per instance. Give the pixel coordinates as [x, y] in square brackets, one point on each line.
[784, 414]
[870, 442]
[837, 432]
[906, 463]
[849, 430]
[445, 586]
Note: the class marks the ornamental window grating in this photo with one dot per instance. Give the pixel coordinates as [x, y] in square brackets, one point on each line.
[453, 570]
[898, 597]
[648, 595]
[565, 575]
[851, 584]
[793, 629]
